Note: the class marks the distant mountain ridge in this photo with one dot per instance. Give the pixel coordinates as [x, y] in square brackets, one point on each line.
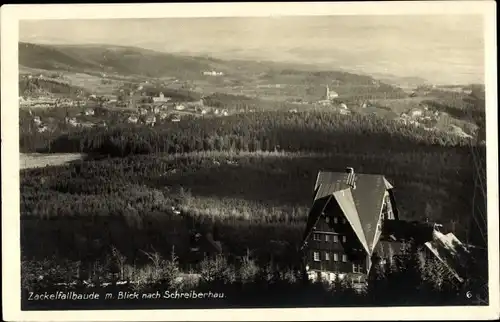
[103, 58]
[126, 60]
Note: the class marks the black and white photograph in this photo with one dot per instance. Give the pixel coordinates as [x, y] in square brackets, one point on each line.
[192, 157]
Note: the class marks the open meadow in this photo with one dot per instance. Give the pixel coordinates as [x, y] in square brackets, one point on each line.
[39, 160]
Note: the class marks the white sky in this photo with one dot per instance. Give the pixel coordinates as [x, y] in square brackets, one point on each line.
[439, 48]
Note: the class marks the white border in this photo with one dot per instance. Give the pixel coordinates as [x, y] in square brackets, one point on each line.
[10, 16]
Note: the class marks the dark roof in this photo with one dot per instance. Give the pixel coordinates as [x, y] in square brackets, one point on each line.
[420, 232]
[361, 205]
[314, 214]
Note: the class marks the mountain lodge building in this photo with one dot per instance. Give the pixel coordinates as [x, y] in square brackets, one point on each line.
[354, 224]
[345, 223]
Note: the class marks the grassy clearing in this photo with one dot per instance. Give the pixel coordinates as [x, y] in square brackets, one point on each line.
[40, 160]
[401, 105]
[239, 209]
[93, 84]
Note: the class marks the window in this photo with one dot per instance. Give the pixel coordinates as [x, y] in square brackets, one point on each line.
[387, 210]
[327, 256]
[335, 220]
[316, 236]
[344, 258]
[344, 239]
[335, 238]
[327, 238]
[357, 268]
[343, 220]
[316, 256]
[327, 219]
[335, 257]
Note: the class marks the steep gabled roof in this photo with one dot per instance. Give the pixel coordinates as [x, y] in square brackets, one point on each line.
[317, 208]
[368, 198]
[361, 205]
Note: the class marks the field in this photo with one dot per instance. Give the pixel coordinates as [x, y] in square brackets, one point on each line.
[39, 160]
[401, 105]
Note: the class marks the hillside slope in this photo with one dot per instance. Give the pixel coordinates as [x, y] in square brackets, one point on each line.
[30, 87]
[112, 59]
[138, 61]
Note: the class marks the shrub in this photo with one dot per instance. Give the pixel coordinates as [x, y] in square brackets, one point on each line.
[248, 270]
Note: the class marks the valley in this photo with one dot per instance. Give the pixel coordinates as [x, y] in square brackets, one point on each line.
[121, 141]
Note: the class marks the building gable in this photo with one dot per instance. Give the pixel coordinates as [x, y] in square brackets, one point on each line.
[318, 207]
[369, 197]
[345, 200]
[361, 201]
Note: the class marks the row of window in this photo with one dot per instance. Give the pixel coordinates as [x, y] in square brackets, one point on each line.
[356, 268]
[335, 220]
[335, 238]
[317, 258]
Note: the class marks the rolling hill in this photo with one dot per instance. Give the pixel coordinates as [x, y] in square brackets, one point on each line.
[132, 61]
[112, 59]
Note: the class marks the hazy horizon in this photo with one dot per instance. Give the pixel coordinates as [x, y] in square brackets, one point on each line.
[440, 49]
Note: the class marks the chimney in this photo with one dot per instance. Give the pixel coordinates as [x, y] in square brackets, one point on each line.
[350, 177]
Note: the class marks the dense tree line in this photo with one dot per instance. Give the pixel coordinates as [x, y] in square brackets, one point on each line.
[231, 102]
[180, 95]
[29, 86]
[306, 131]
[139, 191]
[78, 210]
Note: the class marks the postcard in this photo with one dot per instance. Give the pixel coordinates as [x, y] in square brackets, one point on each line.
[250, 161]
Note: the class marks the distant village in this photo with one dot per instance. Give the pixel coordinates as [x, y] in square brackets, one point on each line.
[138, 106]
